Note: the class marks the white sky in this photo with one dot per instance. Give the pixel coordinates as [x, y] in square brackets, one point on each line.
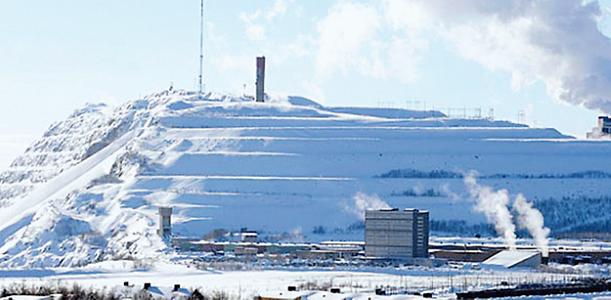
[55, 56]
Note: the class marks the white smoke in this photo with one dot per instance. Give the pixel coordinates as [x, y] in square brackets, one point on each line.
[557, 43]
[296, 235]
[364, 202]
[494, 205]
[531, 219]
[447, 191]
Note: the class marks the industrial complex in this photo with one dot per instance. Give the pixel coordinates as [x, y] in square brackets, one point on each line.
[390, 236]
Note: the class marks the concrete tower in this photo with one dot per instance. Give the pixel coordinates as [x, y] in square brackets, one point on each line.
[165, 222]
[260, 93]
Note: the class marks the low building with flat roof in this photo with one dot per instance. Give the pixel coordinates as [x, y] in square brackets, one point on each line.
[514, 259]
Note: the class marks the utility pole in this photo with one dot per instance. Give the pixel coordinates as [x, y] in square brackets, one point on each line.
[201, 50]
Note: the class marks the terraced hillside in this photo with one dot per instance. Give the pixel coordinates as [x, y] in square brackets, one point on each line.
[289, 168]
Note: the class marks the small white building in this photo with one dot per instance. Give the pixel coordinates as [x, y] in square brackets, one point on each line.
[249, 236]
[514, 259]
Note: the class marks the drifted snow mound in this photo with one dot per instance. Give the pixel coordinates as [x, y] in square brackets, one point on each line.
[89, 150]
[52, 239]
[89, 189]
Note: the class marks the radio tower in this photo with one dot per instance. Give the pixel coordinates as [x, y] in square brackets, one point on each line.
[201, 50]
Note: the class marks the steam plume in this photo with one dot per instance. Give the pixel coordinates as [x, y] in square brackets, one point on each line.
[494, 205]
[556, 42]
[363, 202]
[531, 219]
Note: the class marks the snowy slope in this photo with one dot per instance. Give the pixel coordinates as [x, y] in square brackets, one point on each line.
[89, 189]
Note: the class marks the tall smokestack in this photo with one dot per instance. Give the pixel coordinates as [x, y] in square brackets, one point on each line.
[260, 95]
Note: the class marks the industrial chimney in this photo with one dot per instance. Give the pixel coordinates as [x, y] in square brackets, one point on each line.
[260, 93]
[165, 222]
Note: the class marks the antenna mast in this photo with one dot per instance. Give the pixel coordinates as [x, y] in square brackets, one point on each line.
[201, 49]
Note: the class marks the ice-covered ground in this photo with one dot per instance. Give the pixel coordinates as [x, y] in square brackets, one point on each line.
[247, 284]
[89, 189]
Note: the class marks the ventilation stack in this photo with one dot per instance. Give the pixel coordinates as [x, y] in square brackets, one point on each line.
[260, 93]
[165, 222]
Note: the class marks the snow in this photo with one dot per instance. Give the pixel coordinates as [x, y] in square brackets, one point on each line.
[391, 113]
[288, 295]
[510, 258]
[66, 182]
[25, 297]
[93, 182]
[249, 283]
[13, 143]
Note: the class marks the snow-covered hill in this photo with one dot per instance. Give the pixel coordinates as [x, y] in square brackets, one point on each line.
[290, 168]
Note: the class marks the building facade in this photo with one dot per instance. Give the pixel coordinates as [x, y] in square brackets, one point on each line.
[398, 234]
[602, 129]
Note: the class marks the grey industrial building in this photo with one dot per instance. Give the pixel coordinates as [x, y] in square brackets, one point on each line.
[602, 129]
[396, 234]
